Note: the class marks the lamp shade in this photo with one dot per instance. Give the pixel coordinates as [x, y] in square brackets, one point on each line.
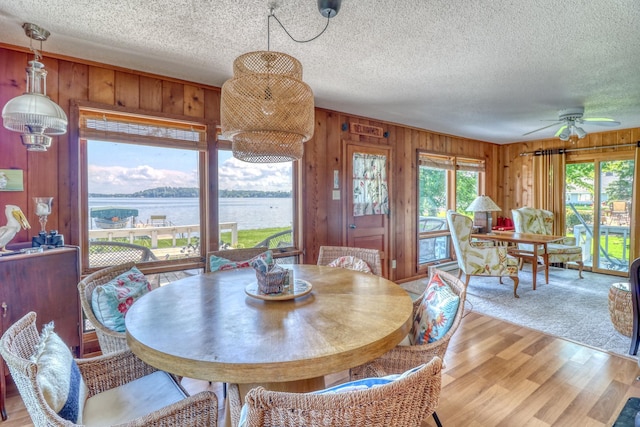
[565, 134]
[33, 113]
[483, 204]
[266, 110]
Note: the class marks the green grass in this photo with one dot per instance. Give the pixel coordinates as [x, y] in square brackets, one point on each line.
[246, 238]
[250, 238]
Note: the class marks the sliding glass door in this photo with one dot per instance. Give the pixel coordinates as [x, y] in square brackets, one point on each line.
[598, 208]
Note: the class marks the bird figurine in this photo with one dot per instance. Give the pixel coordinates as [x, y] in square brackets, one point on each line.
[15, 221]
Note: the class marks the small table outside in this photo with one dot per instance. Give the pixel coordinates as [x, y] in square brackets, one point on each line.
[207, 327]
[528, 238]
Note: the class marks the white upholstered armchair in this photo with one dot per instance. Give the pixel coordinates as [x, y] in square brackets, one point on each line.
[479, 259]
[540, 221]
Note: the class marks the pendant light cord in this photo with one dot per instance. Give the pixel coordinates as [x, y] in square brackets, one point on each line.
[271, 14]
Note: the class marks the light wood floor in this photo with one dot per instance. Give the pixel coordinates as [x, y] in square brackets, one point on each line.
[499, 374]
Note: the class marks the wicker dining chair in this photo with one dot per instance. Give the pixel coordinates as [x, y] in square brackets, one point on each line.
[370, 256]
[235, 255]
[405, 402]
[108, 339]
[404, 357]
[111, 373]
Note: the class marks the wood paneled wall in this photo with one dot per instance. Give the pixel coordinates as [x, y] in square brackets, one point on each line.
[515, 186]
[51, 174]
[323, 222]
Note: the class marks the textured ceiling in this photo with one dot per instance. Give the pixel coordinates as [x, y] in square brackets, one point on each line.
[487, 70]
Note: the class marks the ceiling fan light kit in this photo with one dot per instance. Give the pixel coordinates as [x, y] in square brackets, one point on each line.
[570, 118]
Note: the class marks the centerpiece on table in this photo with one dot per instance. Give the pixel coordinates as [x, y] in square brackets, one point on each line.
[272, 278]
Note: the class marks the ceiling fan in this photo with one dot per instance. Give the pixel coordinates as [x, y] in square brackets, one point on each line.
[570, 118]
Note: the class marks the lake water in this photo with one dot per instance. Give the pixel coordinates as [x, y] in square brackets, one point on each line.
[249, 213]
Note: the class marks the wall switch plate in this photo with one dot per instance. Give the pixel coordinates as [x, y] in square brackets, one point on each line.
[393, 263]
[336, 194]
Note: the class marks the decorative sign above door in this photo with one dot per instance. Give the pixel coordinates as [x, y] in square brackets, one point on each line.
[368, 130]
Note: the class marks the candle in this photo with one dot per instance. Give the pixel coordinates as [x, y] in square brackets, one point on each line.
[42, 209]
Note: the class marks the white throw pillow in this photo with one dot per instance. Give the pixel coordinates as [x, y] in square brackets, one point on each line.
[59, 377]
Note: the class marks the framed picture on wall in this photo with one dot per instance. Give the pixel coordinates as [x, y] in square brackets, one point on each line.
[11, 180]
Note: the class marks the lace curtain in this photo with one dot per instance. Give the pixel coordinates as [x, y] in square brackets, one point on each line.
[370, 188]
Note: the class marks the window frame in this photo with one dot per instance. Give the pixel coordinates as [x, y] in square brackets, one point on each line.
[78, 185]
[451, 164]
[295, 251]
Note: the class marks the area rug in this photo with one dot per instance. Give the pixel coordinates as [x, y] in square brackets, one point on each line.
[568, 307]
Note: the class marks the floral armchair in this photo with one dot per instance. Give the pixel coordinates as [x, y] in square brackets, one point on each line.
[479, 258]
[540, 221]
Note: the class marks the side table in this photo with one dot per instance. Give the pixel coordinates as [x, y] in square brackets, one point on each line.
[620, 308]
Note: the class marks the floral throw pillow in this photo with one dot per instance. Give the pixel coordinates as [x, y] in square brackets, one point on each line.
[434, 317]
[262, 262]
[351, 263]
[217, 263]
[111, 301]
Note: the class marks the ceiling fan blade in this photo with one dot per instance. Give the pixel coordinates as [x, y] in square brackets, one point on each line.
[601, 122]
[533, 131]
[560, 130]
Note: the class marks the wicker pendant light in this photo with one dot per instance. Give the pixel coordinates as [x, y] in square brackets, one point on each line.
[267, 111]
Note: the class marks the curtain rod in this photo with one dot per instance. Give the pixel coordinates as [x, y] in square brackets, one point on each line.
[569, 150]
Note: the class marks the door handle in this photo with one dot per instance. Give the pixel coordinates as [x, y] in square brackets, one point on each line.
[352, 226]
[4, 309]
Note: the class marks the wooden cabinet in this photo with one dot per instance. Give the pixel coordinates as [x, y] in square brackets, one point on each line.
[44, 282]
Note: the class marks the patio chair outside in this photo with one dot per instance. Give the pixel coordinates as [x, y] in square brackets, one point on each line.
[283, 239]
[105, 253]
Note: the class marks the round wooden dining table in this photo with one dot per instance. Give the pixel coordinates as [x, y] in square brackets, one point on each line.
[207, 327]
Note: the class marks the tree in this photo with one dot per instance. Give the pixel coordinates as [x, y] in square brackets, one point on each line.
[621, 188]
[432, 188]
[466, 189]
[580, 176]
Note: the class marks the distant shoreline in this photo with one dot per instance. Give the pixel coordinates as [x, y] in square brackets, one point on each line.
[129, 196]
[190, 192]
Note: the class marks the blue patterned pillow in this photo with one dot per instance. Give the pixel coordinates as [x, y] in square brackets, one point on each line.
[58, 376]
[434, 317]
[111, 301]
[366, 383]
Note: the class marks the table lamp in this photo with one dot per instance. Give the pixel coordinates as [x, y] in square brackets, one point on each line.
[484, 204]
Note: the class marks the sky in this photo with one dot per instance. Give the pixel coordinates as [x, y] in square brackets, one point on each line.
[116, 168]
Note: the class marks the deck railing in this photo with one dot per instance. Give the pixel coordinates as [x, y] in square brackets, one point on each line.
[172, 232]
[584, 239]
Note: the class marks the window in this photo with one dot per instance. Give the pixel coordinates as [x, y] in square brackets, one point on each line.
[256, 205]
[142, 198]
[444, 182]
